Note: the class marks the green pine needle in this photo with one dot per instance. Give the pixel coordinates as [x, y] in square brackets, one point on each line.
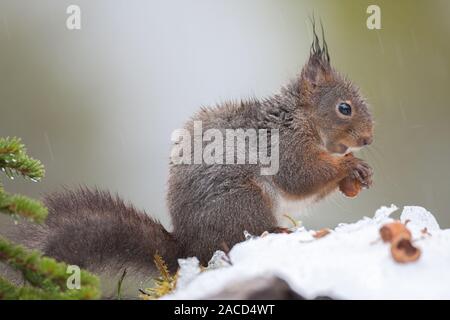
[14, 160]
[18, 205]
[8, 291]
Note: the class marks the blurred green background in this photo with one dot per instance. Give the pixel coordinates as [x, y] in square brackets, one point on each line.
[98, 105]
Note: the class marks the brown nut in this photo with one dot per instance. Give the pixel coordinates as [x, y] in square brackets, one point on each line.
[403, 251]
[350, 187]
[393, 230]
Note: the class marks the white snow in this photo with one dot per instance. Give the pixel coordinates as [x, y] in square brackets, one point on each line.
[349, 263]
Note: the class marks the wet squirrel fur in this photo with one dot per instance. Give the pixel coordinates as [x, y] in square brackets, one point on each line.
[214, 204]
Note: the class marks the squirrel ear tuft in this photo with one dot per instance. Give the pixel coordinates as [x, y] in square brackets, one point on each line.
[317, 70]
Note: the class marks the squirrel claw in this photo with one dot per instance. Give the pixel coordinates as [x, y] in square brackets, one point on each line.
[363, 173]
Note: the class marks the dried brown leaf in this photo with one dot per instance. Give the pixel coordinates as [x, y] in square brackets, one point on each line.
[393, 230]
[321, 233]
[403, 251]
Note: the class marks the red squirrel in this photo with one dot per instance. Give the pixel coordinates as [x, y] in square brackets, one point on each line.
[321, 118]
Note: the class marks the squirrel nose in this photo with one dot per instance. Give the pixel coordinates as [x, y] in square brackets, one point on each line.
[366, 141]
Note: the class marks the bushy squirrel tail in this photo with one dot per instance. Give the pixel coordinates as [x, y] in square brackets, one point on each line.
[101, 233]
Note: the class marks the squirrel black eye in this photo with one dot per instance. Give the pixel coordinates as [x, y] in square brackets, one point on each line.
[345, 109]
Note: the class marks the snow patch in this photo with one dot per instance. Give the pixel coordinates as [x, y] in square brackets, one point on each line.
[349, 263]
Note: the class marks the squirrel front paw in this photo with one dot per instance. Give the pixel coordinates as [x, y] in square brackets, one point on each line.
[360, 171]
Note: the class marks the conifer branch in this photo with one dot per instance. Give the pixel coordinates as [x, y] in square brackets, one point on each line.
[42, 272]
[18, 205]
[14, 160]
[9, 291]
[46, 278]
